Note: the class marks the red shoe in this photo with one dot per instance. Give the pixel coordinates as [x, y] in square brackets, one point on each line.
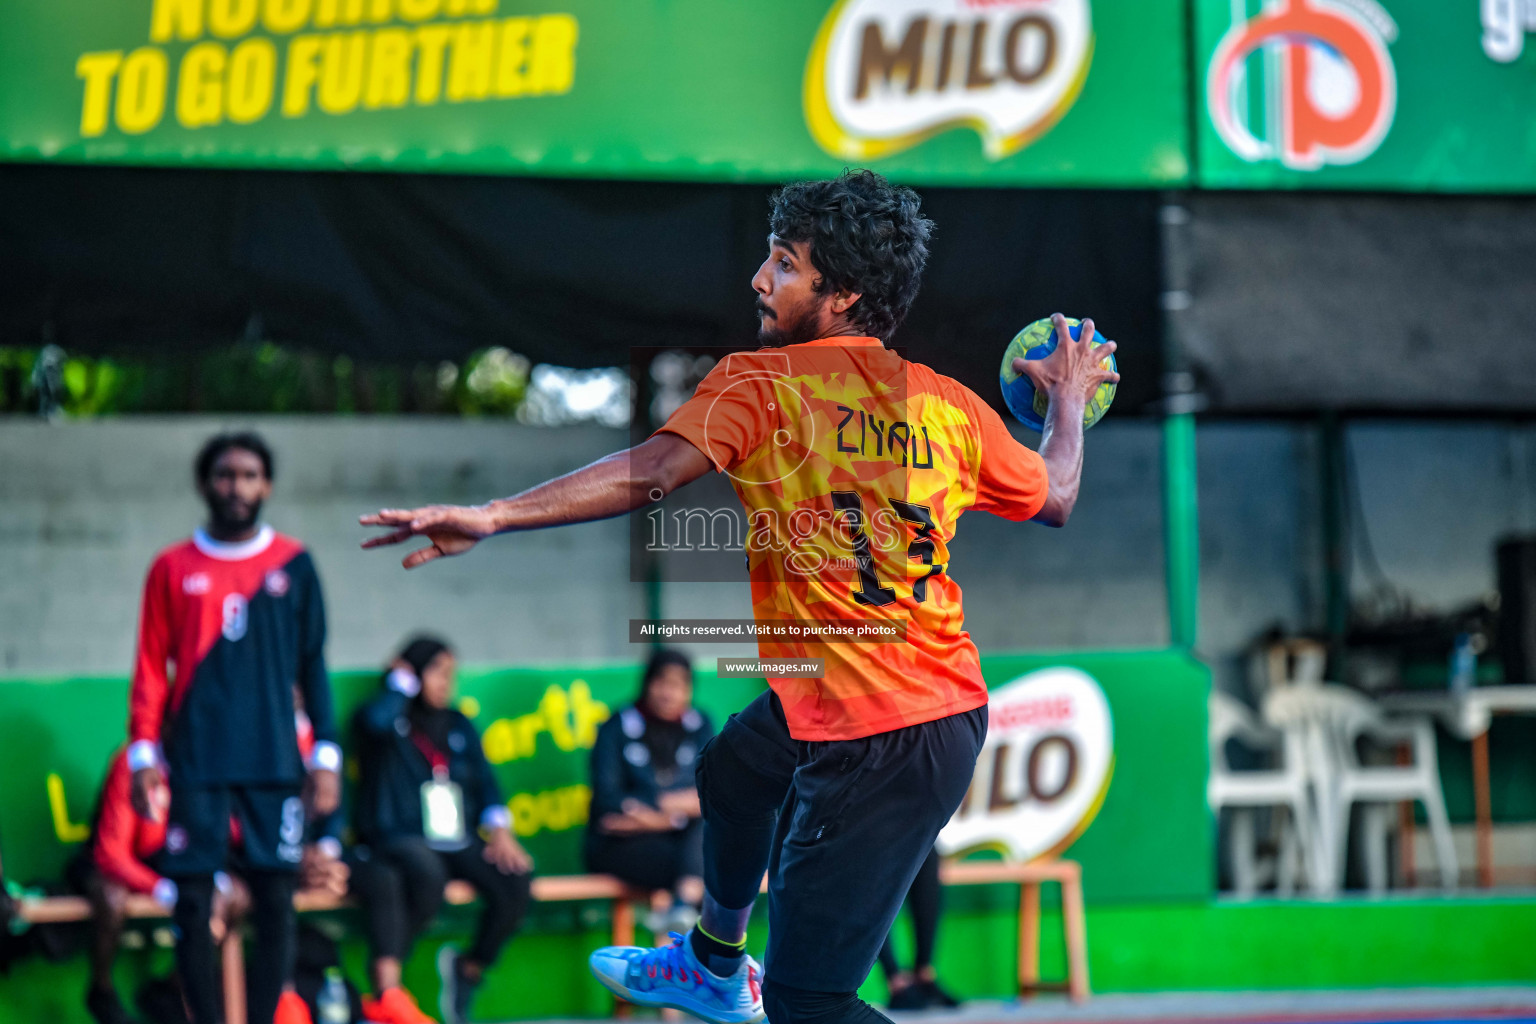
[292, 1009]
[395, 1006]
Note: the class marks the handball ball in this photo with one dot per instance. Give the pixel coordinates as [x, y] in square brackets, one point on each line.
[1037, 341]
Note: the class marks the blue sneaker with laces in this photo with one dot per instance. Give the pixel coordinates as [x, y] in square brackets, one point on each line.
[672, 976]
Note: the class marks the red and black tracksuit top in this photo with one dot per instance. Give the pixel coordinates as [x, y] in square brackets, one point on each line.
[227, 630]
[123, 845]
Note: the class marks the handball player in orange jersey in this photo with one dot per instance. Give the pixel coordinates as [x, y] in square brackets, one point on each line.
[853, 466]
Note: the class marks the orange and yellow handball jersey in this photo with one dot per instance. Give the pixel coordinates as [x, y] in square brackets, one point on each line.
[853, 466]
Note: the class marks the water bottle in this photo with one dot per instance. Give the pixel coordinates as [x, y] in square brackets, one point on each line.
[1463, 664]
[333, 1004]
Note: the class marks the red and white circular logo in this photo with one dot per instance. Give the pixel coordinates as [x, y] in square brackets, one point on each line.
[1322, 69]
[277, 583]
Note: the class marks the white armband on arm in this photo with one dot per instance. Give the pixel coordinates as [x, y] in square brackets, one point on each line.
[496, 816]
[143, 754]
[325, 757]
[403, 680]
[165, 893]
[330, 846]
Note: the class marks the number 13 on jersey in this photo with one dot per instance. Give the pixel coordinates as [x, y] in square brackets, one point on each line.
[870, 589]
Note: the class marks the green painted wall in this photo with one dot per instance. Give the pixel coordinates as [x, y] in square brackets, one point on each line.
[1150, 841]
[1351, 943]
[1149, 845]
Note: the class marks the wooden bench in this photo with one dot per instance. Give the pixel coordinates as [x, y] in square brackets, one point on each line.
[546, 889]
[1029, 877]
[622, 899]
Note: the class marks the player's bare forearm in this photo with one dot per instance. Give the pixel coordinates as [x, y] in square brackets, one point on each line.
[1068, 376]
[611, 486]
[1061, 449]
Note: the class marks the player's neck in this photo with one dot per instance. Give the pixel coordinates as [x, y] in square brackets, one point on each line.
[231, 534]
[836, 326]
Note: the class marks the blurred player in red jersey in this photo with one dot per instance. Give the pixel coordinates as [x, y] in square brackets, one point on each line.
[853, 466]
[232, 620]
[118, 863]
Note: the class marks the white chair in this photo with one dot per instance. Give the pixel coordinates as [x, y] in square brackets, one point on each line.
[1283, 787]
[1285, 662]
[1334, 719]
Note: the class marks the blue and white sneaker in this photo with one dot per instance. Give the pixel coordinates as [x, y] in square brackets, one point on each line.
[672, 976]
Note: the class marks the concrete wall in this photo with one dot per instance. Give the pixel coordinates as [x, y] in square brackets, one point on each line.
[85, 506]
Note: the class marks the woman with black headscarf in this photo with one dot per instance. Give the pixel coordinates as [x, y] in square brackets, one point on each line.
[645, 806]
[424, 786]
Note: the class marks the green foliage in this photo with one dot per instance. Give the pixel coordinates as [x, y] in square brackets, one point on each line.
[264, 377]
[493, 384]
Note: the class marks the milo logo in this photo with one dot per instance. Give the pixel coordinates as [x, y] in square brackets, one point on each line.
[884, 75]
[1044, 769]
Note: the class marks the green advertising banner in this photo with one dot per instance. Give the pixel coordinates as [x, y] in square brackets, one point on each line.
[536, 725]
[1396, 94]
[983, 92]
[1146, 834]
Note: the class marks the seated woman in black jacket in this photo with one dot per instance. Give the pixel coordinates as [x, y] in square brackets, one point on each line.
[424, 786]
[645, 825]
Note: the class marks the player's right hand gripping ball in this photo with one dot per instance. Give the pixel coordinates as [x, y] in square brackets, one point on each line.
[1037, 341]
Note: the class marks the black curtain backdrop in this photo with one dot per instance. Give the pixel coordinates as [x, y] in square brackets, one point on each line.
[404, 268]
[1364, 303]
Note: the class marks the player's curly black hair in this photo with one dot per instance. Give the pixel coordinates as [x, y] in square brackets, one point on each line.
[245, 440]
[867, 236]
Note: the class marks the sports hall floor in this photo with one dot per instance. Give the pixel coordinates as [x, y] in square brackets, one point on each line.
[1507, 1005]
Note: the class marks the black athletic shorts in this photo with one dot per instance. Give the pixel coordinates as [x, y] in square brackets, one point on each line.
[197, 835]
[858, 820]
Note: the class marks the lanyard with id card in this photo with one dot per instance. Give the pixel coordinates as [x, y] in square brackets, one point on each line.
[442, 801]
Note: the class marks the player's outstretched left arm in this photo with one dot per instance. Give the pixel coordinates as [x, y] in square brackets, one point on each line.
[1068, 376]
[611, 486]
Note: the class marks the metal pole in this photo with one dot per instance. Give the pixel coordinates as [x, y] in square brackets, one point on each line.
[645, 563]
[653, 601]
[1181, 528]
[1181, 519]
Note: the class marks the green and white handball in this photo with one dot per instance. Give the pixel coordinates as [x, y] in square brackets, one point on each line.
[1037, 341]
